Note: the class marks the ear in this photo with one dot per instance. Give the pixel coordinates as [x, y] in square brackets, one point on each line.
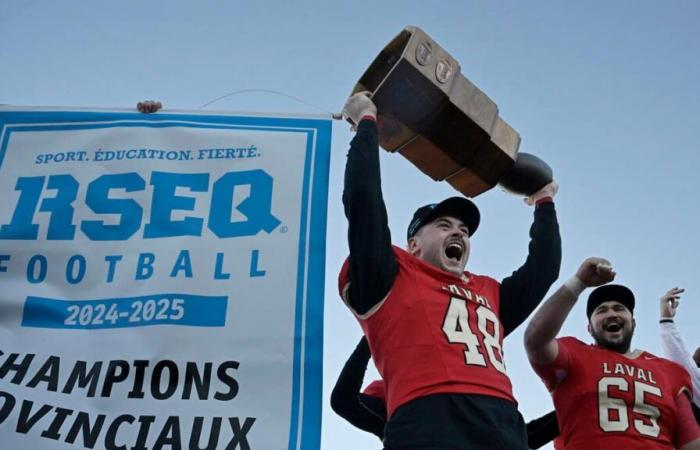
[589, 328]
[413, 245]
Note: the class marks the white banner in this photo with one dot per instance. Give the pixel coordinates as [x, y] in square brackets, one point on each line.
[161, 280]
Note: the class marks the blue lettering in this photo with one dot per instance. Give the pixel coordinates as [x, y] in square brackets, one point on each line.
[254, 271]
[182, 263]
[219, 274]
[21, 226]
[3, 258]
[252, 214]
[32, 276]
[71, 276]
[165, 201]
[144, 266]
[257, 207]
[61, 223]
[98, 200]
[111, 266]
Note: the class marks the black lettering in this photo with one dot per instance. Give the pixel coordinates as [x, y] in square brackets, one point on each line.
[196, 435]
[117, 371]
[25, 422]
[90, 434]
[169, 435]
[200, 383]
[20, 369]
[240, 433]
[7, 406]
[111, 436]
[48, 373]
[156, 379]
[137, 390]
[145, 422]
[53, 431]
[80, 375]
[227, 380]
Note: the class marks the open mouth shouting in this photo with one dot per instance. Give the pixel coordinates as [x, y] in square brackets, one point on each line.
[613, 325]
[455, 251]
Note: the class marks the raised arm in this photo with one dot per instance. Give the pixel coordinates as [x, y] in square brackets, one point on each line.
[671, 340]
[522, 291]
[349, 403]
[541, 332]
[372, 266]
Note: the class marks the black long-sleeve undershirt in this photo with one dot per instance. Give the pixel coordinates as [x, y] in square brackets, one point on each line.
[525, 288]
[366, 412]
[373, 267]
[542, 430]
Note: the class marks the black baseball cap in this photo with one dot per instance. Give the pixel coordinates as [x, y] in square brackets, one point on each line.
[610, 292]
[458, 207]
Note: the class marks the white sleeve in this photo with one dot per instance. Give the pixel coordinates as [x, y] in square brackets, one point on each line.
[674, 349]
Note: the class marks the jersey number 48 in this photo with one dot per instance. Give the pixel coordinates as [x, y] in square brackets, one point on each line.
[456, 328]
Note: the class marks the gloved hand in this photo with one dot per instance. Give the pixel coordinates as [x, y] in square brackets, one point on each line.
[358, 106]
[549, 190]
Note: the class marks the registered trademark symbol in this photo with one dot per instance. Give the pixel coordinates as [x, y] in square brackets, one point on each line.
[284, 229]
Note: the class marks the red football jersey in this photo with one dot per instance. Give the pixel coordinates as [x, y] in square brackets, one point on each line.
[606, 400]
[376, 389]
[436, 332]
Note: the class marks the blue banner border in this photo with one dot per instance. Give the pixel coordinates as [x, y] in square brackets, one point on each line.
[305, 423]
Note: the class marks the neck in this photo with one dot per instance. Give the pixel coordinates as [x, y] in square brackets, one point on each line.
[632, 354]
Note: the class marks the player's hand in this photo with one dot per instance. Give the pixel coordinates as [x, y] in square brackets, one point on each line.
[548, 190]
[149, 106]
[359, 106]
[669, 302]
[595, 272]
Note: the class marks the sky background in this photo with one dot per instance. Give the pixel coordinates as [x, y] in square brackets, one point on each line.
[605, 92]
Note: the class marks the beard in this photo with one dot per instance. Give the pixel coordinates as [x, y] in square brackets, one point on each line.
[621, 346]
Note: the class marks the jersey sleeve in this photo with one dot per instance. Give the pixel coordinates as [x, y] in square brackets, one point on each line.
[682, 377]
[675, 350]
[376, 389]
[346, 284]
[687, 429]
[554, 373]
